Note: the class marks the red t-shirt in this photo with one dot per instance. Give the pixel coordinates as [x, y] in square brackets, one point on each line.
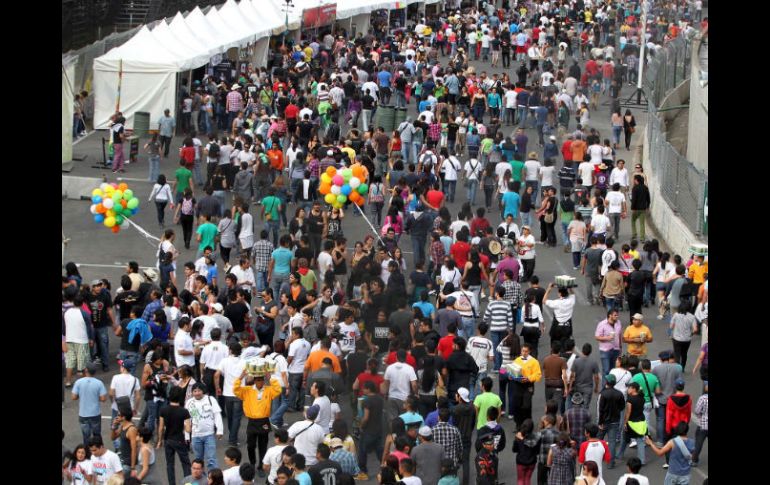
[478, 225]
[592, 68]
[434, 198]
[459, 252]
[445, 346]
[391, 359]
[188, 154]
[366, 377]
[566, 150]
[291, 112]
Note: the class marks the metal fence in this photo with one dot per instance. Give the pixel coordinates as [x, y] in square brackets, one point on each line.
[682, 185]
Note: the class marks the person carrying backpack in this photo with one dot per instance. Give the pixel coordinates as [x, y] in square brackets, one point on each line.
[185, 214]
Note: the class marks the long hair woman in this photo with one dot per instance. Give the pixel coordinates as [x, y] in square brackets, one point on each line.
[77, 466]
[532, 323]
[429, 379]
[629, 127]
[161, 195]
[185, 214]
[153, 150]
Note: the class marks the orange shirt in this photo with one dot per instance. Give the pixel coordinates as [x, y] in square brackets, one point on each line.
[578, 150]
[276, 159]
[314, 360]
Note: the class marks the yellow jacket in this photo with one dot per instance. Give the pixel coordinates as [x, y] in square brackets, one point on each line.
[529, 368]
[254, 406]
[697, 272]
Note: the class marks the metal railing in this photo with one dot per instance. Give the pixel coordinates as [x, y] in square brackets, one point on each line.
[682, 185]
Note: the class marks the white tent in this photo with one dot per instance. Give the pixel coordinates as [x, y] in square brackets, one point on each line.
[205, 30]
[236, 23]
[67, 106]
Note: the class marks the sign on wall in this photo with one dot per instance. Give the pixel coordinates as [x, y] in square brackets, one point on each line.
[314, 18]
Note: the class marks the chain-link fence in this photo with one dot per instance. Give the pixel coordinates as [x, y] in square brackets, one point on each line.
[682, 185]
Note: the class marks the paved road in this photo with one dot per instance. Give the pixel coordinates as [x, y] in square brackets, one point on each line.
[102, 254]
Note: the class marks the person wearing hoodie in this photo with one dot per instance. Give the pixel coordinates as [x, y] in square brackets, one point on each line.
[678, 410]
[491, 428]
[526, 445]
[418, 225]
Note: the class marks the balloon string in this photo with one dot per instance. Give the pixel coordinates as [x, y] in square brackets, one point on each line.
[141, 231]
[375, 231]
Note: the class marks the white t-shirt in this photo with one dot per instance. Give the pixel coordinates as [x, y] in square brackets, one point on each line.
[641, 478]
[124, 385]
[307, 441]
[400, 375]
[330, 312]
[608, 256]
[532, 168]
[75, 326]
[586, 172]
[501, 168]
[472, 170]
[350, 333]
[80, 471]
[480, 348]
[231, 368]
[665, 272]
[335, 411]
[209, 324]
[465, 298]
[324, 418]
[182, 341]
[246, 235]
[105, 466]
[206, 416]
[456, 226]
[562, 308]
[534, 314]
[529, 253]
[546, 78]
[595, 452]
[619, 176]
[451, 275]
[596, 154]
[213, 353]
[413, 480]
[325, 263]
[272, 458]
[334, 349]
[510, 98]
[615, 200]
[546, 173]
[622, 378]
[600, 223]
[450, 166]
[232, 475]
[299, 349]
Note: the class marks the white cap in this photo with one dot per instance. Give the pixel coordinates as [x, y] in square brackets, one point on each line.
[425, 431]
[217, 307]
[464, 394]
[476, 240]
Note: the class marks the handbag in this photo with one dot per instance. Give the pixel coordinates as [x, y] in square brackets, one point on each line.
[653, 397]
[549, 217]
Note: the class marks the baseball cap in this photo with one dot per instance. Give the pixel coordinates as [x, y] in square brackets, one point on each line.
[679, 384]
[329, 152]
[665, 354]
[610, 379]
[464, 394]
[425, 431]
[637, 316]
[217, 307]
[577, 398]
[128, 363]
[312, 411]
[97, 283]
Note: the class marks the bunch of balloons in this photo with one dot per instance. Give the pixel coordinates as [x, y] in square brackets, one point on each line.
[113, 204]
[339, 186]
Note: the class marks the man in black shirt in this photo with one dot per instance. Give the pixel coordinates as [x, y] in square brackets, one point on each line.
[237, 312]
[326, 471]
[175, 420]
[102, 317]
[376, 332]
[460, 367]
[536, 290]
[640, 202]
[371, 425]
[125, 299]
[303, 251]
[315, 225]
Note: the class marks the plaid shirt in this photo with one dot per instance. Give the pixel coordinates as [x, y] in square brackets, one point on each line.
[549, 437]
[577, 417]
[261, 254]
[513, 293]
[346, 460]
[437, 253]
[236, 101]
[449, 437]
[702, 412]
[434, 131]
[314, 167]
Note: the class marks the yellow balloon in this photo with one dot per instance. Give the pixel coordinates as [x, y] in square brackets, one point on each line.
[97, 192]
[330, 198]
[110, 213]
[109, 222]
[324, 178]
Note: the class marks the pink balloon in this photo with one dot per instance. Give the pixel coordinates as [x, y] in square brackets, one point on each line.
[114, 185]
[338, 180]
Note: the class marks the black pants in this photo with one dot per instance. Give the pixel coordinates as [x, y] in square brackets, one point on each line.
[208, 379]
[542, 473]
[183, 451]
[628, 139]
[506, 56]
[522, 398]
[700, 439]
[529, 268]
[161, 208]
[531, 336]
[680, 352]
[488, 192]
[315, 244]
[187, 228]
[635, 303]
[257, 435]
[210, 168]
[465, 460]
[165, 143]
[225, 253]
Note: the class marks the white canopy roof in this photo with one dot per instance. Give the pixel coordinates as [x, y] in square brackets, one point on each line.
[237, 25]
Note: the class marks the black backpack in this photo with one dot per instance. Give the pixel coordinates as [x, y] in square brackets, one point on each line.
[213, 150]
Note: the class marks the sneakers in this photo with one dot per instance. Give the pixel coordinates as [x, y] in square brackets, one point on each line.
[510, 416]
[632, 445]
[660, 317]
[362, 476]
[665, 465]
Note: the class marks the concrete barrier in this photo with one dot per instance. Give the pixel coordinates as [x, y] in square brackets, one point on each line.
[78, 188]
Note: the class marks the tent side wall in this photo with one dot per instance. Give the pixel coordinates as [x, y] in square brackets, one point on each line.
[67, 108]
[151, 90]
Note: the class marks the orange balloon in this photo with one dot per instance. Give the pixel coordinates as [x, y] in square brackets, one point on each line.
[124, 203]
[116, 229]
[123, 186]
[354, 196]
[100, 208]
[331, 171]
[324, 188]
[360, 202]
[358, 170]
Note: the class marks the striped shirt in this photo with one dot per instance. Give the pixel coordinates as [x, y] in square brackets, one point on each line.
[499, 316]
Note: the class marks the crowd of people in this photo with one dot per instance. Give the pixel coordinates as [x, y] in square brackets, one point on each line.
[414, 348]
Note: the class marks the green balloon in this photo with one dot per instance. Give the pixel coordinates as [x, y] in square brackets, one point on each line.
[118, 208]
[342, 198]
[362, 189]
[128, 194]
[346, 176]
[133, 203]
[118, 219]
[116, 198]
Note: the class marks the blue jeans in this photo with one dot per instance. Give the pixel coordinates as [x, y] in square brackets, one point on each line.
[406, 152]
[608, 359]
[277, 280]
[205, 448]
[154, 167]
[153, 413]
[672, 479]
[522, 115]
[639, 447]
[261, 280]
[660, 422]
[197, 177]
[612, 303]
[418, 246]
[234, 412]
[279, 409]
[506, 394]
[449, 189]
[612, 430]
[535, 192]
[275, 227]
[616, 131]
[416, 147]
[469, 327]
[296, 398]
[565, 238]
[526, 219]
[203, 120]
[90, 426]
[369, 443]
[473, 185]
[498, 337]
[102, 347]
[476, 383]
[220, 195]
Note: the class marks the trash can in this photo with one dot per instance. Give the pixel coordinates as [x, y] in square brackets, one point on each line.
[141, 123]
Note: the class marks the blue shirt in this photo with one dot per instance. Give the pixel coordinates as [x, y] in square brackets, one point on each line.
[678, 464]
[493, 100]
[447, 242]
[411, 418]
[511, 201]
[211, 273]
[167, 124]
[282, 257]
[431, 419]
[304, 479]
[149, 310]
[426, 308]
[88, 390]
[384, 78]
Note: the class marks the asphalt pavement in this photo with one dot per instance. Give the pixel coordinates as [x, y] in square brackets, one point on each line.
[102, 254]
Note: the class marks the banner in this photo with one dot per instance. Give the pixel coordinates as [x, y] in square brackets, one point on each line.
[313, 18]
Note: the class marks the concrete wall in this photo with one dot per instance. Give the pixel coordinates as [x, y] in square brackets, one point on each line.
[699, 113]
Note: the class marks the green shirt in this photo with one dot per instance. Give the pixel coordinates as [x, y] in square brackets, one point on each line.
[271, 204]
[486, 145]
[207, 231]
[485, 401]
[182, 176]
[516, 167]
[652, 381]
